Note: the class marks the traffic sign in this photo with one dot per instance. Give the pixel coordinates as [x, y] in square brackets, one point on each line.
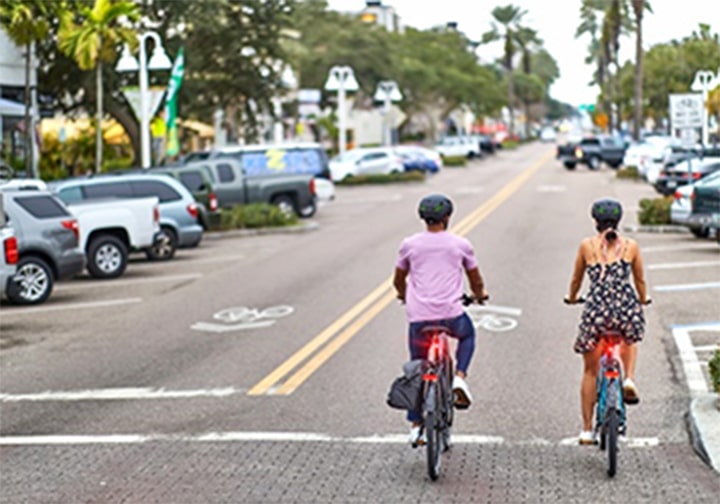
[686, 110]
[688, 137]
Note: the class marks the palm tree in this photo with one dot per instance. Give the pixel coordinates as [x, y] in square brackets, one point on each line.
[527, 41]
[95, 41]
[25, 23]
[639, 7]
[508, 17]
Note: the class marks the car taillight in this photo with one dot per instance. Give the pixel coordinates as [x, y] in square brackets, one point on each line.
[312, 186]
[73, 226]
[696, 175]
[192, 209]
[156, 214]
[212, 202]
[578, 152]
[678, 195]
[11, 250]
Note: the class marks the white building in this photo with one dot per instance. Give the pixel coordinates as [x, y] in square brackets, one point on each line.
[384, 15]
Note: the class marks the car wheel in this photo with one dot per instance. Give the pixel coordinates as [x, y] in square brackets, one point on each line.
[701, 232]
[285, 203]
[107, 257]
[32, 283]
[594, 163]
[309, 210]
[165, 249]
[615, 166]
[569, 165]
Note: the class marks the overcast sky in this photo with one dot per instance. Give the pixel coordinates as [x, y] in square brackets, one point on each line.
[556, 21]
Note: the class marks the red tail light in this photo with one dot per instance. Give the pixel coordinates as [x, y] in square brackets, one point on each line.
[11, 250]
[156, 214]
[212, 202]
[429, 377]
[193, 210]
[696, 175]
[678, 195]
[312, 186]
[73, 226]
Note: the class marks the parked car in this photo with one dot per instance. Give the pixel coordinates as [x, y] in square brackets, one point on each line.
[365, 161]
[548, 134]
[48, 244]
[23, 183]
[178, 208]
[8, 252]
[111, 229]
[293, 192]
[417, 158]
[198, 179]
[685, 173]
[592, 151]
[273, 159]
[681, 206]
[458, 146]
[705, 203]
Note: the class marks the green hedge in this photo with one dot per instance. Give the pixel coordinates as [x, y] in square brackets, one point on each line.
[255, 215]
[510, 144]
[655, 211]
[629, 172]
[714, 368]
[454, 161]
[411, 176]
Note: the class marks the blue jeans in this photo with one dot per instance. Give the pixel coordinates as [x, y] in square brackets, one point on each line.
[461, 328]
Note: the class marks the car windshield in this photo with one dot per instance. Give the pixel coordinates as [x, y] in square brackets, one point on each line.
[351, 155]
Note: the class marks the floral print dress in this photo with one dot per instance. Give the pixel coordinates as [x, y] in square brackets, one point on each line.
[611, 304]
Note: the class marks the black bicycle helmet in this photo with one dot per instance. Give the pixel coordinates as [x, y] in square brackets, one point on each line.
[434, 208]
[607, 211]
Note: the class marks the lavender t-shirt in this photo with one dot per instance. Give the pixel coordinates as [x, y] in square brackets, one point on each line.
[436, 262]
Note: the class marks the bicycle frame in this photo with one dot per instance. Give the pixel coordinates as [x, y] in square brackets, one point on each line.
[609, 380]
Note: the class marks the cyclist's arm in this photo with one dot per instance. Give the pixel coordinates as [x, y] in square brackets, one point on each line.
[578, 272]
[638, 274]
[476, 283]
[399, 281]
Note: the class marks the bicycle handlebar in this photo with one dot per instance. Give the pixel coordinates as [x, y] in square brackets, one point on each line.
[467, 300]
[581, 300]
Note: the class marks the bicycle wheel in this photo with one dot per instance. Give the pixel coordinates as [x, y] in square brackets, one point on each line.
[612, 441]
[449, 405]
[433, 444]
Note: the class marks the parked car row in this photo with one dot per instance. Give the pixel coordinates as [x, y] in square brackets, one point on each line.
[697, 206]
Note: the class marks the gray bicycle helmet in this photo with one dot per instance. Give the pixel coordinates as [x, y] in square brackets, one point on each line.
[434, 208]
[607, 210]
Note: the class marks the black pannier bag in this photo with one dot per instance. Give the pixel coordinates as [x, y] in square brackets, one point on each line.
[406, 390]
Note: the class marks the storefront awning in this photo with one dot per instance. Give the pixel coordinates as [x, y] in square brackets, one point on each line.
[11, 108]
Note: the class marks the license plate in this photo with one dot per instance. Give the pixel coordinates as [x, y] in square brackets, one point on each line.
[671, 184]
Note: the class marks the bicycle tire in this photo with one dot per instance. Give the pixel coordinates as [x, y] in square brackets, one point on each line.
[449, 402]
[612, 441]
[432, 433]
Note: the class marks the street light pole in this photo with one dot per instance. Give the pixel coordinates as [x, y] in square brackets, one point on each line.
[341, 79]
[158, 61]
[387, 92]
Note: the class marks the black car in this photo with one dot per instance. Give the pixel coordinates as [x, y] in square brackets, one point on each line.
[705, 204]
[592, 151]
[685, 172]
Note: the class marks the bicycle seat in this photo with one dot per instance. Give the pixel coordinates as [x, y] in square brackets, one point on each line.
[432, 329]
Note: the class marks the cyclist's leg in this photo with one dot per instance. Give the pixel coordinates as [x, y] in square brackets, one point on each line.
[628, 355]
[463, 329]
[588, 388]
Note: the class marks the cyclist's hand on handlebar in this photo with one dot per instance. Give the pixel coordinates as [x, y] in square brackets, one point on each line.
[579, 300]
[647, 302]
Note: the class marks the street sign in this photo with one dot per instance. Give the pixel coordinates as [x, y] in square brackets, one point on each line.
[688, 137]
[686, 110]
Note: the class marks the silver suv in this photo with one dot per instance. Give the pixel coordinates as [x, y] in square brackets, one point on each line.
[8, 252]
[47, 243]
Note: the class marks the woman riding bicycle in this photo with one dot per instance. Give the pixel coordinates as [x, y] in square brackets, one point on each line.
[612, 304]
[435, 260]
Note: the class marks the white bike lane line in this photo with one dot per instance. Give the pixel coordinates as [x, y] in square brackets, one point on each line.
[694, 376]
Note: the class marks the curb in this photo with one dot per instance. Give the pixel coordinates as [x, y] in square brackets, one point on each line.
[705, 429]
[233, 233]
[656, 229]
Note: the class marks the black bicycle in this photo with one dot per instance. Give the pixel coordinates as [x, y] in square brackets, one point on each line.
[438, 399]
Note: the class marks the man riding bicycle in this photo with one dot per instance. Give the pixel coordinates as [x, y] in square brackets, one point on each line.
[429, 280]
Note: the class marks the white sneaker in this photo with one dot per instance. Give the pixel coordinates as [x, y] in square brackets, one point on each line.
[630, 392]
[417, 438]
[587, 438]
[461, 391]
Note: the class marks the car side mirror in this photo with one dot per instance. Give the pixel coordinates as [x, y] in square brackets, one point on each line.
[202, 187]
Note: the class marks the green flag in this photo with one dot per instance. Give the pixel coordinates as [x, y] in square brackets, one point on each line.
[176, 76]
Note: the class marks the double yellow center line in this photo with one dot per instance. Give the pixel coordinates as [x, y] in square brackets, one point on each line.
[352, 321]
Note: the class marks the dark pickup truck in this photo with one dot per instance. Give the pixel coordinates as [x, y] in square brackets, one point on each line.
[592, 151]
[705, 204]
[232, 186]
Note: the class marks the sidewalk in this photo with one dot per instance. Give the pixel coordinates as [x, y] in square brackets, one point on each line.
[705, 428]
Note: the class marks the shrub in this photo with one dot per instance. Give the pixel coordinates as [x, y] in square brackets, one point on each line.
[255, 215]
[411, 176]
[629, 172]
[455, 161]
[510, 144]
[714, 368]
[655, 211]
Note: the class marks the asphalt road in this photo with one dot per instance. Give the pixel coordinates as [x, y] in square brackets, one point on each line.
[255, 369]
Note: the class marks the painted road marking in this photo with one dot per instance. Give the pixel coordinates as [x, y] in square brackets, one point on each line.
[670, 248]
[370, 199]
[551, 188]
[114, 394]
[221, 328]
[247, 318]
[687, 287]
[282, 437]
[379, 298]
[683, 265]
[688, 356]
[707, 348]
[127, 281]
[69, 306]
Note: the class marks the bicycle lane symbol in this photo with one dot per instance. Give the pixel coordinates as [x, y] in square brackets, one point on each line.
[242, 318]
[488, 317]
